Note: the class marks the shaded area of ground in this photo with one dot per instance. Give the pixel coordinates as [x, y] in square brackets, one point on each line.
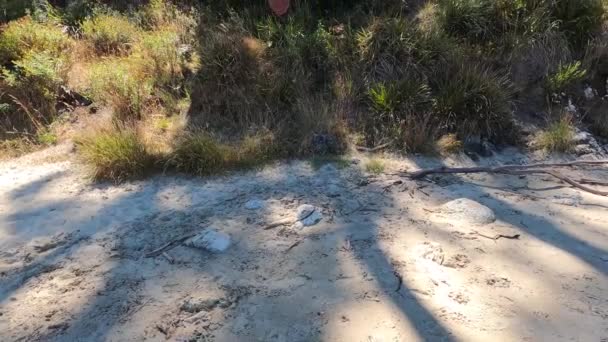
[354, 276]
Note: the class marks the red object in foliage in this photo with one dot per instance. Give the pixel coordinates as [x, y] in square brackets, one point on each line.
[279, 7]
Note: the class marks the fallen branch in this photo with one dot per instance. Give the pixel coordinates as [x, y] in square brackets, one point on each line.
[498, 169]
[372, 149]
[279, 223]
[560, 177]
[520, 170]
[295, 244]
[592, 182]
[498, 236]
[168, 246]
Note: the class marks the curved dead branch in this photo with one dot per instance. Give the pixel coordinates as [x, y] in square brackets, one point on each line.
[541, 168]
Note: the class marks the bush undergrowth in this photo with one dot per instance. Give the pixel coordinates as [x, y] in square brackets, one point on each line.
[255, 87]
[115, 154]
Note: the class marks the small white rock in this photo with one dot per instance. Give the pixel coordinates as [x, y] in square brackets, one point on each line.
[308, 215]
[254, 204]
[572, 200]
[210, 240]
[469, 211]
[304, 211]
[313, 219]
[589, 93]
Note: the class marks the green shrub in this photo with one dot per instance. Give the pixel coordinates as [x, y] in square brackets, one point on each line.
[122, 83]
[471, 19]
[110, 33]
[565, 76]
[12, 9]
[114, 154]
[238, 85]
[385, 41]
[472, 99]
[580, 19]
[558, 137]
[168, 64]
[46, 138]
[163, 13]
[199, 154]
[402, 113]
[25, 36]
[384, 99]
[32, 87]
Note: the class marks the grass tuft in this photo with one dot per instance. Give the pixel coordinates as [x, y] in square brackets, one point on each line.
[558, 137]
[116, 154]
[449, 144]
[375, 166]
[110, 33]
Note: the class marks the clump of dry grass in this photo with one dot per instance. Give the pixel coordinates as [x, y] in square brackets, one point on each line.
[375, 166]
[115, 153]
[199, 153]
[449, 144]
[558, 137]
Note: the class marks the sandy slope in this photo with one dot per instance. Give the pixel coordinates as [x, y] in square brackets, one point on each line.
[73, 268]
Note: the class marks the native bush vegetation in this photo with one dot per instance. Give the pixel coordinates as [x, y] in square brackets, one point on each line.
[248, 87]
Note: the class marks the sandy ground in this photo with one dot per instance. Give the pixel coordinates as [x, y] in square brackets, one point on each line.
[384, 264]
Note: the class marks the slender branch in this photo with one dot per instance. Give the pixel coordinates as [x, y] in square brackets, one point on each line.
[168, 246]
[498, 169]
[523, 170]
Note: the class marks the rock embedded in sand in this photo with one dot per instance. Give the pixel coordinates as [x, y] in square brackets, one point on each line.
[254, 204]
[469, 211]
[308, 215]
[210, 240]
[195, 305]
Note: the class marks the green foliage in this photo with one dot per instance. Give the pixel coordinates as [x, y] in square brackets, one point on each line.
[565, 76]
[32, 87]
[110, 33]
[122, 83]
[199, 154]
[46, 138]
[114, 154]
[25, 36]
[580, 19]
[472, 99]
[387, 39]
[472, 19]
[35, 56]
[558, 137]
[385, 99]
[13, 9]
[168, 64]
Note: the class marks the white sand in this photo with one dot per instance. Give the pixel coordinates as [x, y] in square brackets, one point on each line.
[73, 265]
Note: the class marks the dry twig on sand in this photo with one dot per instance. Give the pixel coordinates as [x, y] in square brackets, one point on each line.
[168, 246]
[523, 170]
[283, 222]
